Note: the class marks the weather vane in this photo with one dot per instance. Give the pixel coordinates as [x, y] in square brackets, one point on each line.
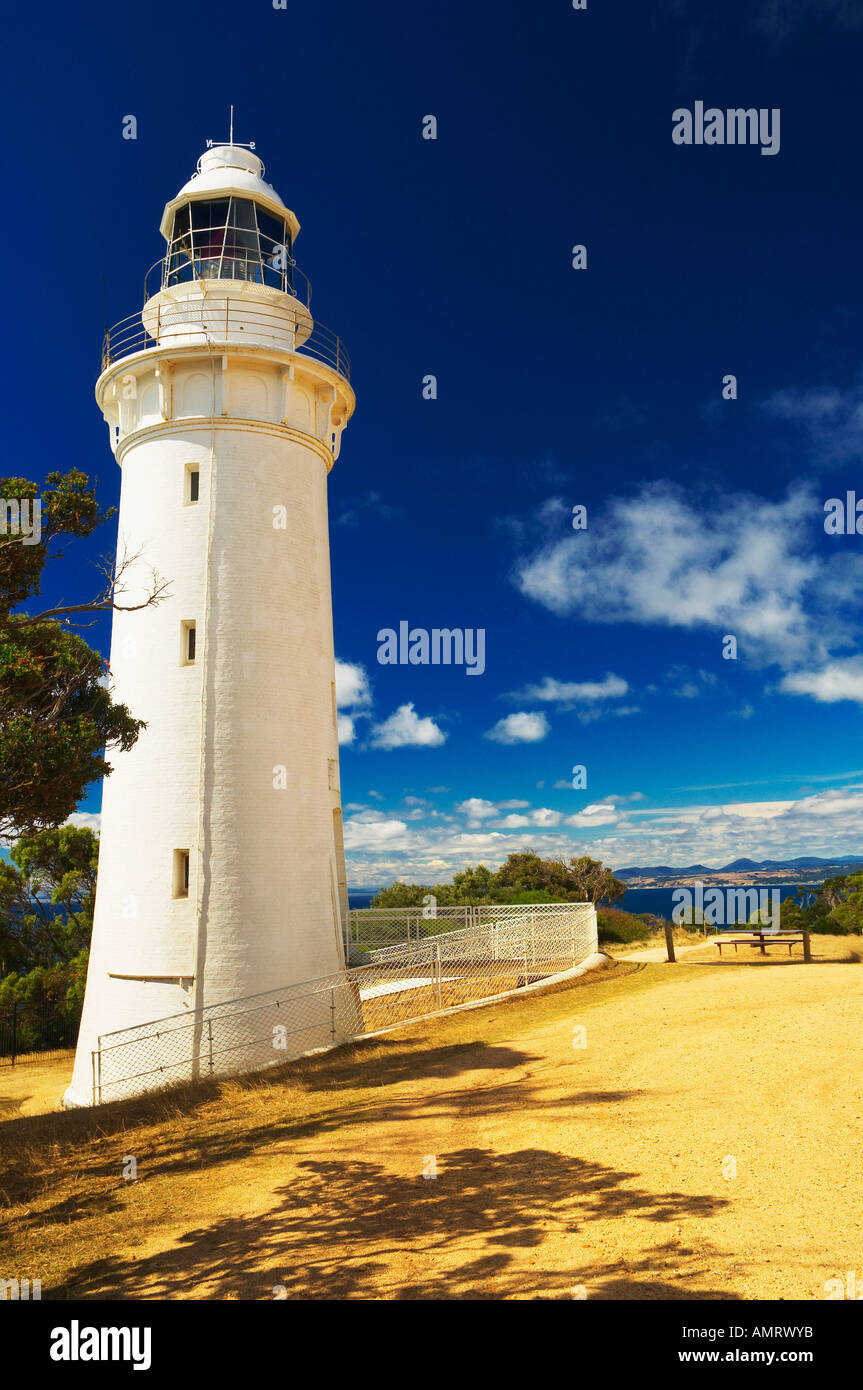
[242, 144]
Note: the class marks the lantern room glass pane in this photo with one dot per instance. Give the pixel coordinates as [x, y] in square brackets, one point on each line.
[275, 248]
[229, 239]
[242, 257]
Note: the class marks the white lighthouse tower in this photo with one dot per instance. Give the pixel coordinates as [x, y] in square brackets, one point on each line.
[221, 868]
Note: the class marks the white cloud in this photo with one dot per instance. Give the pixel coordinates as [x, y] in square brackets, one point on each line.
[406, 729]
[346, 729]
[90, 820]
[825, 824]
[476, 809]
[598, 813]
[611, 687]
[839, 680]
[519, 728]
[745, 712]
[735, 563]
[370, 505]
[352, 685]
[590, 716]
[361, 834]
[832, 419]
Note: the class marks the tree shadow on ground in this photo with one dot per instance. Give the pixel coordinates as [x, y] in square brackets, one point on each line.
[342, 1229]
[348, 1068]
[175, 1155]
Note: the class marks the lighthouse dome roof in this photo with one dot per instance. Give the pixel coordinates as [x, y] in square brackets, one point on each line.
[224, 170]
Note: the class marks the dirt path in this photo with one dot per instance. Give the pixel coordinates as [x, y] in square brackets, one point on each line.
[657, 954]
[704, 1142]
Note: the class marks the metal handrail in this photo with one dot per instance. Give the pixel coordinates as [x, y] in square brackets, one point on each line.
[164, 274]
[222, 320]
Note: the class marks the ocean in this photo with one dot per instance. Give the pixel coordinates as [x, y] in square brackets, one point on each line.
[657, 900]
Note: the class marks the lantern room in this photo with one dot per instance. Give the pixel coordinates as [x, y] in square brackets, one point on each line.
[227, 223]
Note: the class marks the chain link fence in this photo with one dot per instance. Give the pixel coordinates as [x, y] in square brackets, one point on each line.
[510, 948]
[371, 930]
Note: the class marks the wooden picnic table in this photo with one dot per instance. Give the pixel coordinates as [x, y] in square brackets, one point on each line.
[763, 939]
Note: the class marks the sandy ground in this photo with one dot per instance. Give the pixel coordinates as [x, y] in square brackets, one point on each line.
[34, 1088]
[703, 1143]
[660, 953]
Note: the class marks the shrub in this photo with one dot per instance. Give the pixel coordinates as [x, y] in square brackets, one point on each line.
[621, 927]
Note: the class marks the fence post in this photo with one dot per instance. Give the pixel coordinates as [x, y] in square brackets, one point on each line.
[210, 1042]
[669, 942]
[333, 1013]
[14, 1029]
[436, 971]
[807, 947]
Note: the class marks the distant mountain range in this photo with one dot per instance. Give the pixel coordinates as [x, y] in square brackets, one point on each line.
[741, 866]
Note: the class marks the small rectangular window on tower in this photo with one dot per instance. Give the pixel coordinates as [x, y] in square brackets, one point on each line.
[188, 637]
[181, 873]
[193, 483]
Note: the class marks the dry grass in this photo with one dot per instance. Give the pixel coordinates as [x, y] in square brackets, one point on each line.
[557, 1166]
[34, 1087]
[825, 949]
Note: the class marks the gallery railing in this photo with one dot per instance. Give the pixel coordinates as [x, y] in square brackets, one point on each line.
[225, 320]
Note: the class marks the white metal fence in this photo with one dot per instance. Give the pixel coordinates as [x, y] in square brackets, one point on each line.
[507, 950]
[370, 930]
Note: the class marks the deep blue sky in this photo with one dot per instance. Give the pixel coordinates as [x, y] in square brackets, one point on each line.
[556, 386]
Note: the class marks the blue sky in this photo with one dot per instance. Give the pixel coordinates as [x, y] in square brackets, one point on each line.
[556, 387]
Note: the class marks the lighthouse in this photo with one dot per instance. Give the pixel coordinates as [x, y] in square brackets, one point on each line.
[221, 864]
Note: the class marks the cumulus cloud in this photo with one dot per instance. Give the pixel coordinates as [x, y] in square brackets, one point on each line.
[597, 813]
[476, 809]
[825, 824]
[352, 685]
[346, 729]
[736, 564]
[519, 728]
[838, 680]
[361, 834]
[406, 729]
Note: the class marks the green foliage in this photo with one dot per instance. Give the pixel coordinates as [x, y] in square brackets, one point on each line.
[523, 878]
[832, 908]
[401, 895]
[623, 927]
[47, 1002]
[47, 893]
[69, 508]
[56, 713]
